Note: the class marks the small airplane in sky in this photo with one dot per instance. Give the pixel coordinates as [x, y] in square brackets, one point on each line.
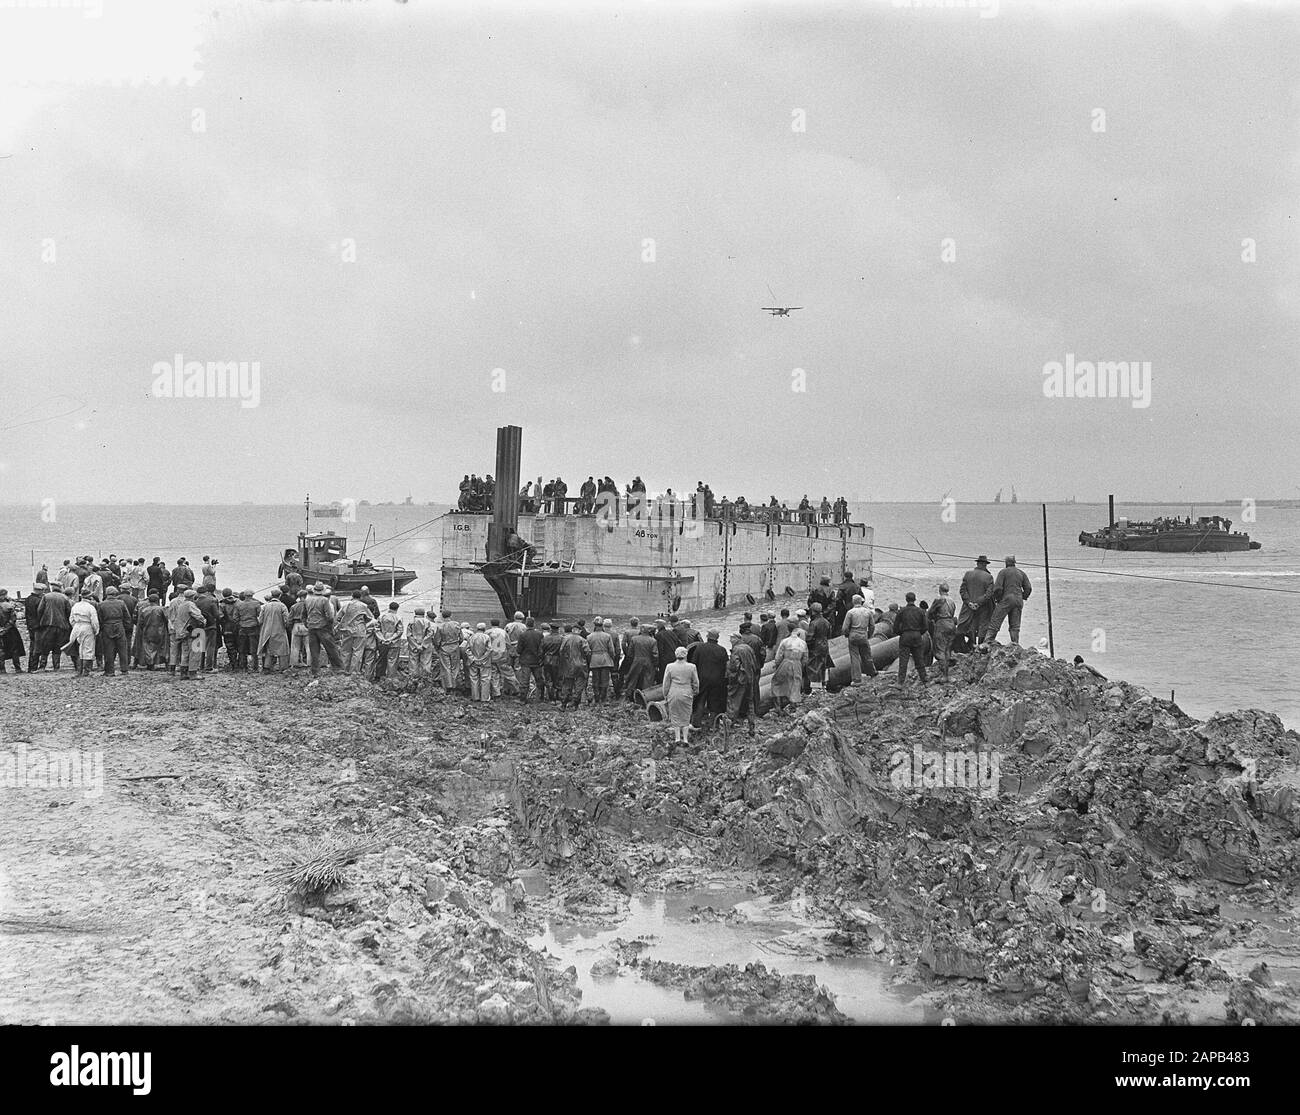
[778, 311]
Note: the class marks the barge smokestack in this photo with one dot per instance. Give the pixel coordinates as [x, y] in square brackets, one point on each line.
[505, 500]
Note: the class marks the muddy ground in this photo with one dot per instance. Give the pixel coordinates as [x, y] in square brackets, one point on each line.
[1122, 862]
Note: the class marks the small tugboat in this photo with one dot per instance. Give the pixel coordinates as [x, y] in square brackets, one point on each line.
[323, 556]
[1209, 534]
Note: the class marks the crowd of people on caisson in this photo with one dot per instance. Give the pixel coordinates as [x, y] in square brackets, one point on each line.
[601, 496]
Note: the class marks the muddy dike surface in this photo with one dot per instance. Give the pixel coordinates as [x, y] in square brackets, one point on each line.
[1030, 843]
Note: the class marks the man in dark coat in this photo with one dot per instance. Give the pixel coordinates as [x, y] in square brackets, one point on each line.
[529, 661]
[750, 638]
[229, 626]
[206, 601]
[158, 578]
[642, 657]
[819, 646]
[824, 595]
[910, 626]
[710, 662]
[53, 625]
[844, 599]
[11, 639]
[976, 603]
[31, 612]
[666, 643]
[153, 635]
[182, 575]
[574, 656]
[742, 683]
[552, 641]
[113, 630]
[767, 632]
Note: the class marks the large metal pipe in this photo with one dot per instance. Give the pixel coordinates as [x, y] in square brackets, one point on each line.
[505, 499]
[1111, 500]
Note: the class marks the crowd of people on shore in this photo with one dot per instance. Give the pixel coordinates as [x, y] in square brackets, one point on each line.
[125, 615]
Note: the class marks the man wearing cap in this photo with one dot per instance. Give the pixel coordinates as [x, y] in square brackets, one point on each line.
[844, 595]
[94, 584]
[751, 639]
[207, 604]
[976, 591]
[135, 578]
[552, 642]
[229, 626]
[11, 640]
[446, 646]
[665, 645]
[823, 594]
[479, 650]
[819, 647]
[182, 575]
[575, 653]
[31, 612]
[742, 683]
[529, 661]
[85, 630]
[183, 616]
[943, 625]
[910, 626]
[641, 655]
[419, 644]
[354, 626]
[152, 637]
[387, 631]
[514, 629]
[1010, 590]
[248, 622]
[114, 631]
[624, 655]
[857, 627]
[604, 655]
[318, 615]
[53, 625]
[501, 676]
[68, 579]
[710, 662]
[767, 632]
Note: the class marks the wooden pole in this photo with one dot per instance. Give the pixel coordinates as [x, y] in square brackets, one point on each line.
[1047, 575]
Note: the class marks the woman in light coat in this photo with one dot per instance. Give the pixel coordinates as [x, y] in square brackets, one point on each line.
[681, 684]
[787, 680]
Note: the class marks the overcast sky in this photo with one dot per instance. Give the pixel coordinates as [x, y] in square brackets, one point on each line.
[500, 171]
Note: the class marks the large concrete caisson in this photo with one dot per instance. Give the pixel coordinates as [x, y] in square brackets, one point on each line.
[660, 560]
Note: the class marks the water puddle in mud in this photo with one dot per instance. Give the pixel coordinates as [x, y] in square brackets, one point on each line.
[758, 932]
[1278, 945]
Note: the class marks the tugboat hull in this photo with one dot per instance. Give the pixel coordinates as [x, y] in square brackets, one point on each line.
[381, 582]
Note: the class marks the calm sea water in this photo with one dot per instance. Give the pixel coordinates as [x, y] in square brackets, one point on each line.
[1201, 625]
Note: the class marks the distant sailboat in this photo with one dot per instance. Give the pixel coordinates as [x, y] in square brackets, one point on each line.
[998, 498]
